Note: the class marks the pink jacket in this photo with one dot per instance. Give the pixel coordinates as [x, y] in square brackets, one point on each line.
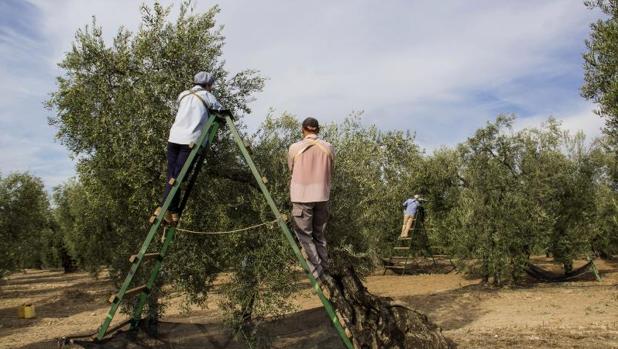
[311, 162]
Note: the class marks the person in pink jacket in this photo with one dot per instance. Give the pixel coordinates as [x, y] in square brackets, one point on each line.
[311, 162]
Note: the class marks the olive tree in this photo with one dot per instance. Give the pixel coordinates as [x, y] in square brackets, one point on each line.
[601, 65]
[114, 105]
[26, 233]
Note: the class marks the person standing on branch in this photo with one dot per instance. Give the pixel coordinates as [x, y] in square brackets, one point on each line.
[193, 106]
[311, 163]
[409, 213]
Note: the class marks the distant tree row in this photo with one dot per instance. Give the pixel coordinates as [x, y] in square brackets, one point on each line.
[497, 198]
[28, 232]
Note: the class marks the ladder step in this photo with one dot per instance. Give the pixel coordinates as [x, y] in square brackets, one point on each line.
[347, 331]
[133, 258]
[401, 248]
[405, 238]
[128, 293]
[394, 267]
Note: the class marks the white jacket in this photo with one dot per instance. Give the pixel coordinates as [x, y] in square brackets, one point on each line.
[191, 115]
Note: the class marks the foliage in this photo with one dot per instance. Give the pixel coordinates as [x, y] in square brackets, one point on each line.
[601, 86]
[523, 193]
[601, 66]
[114, 106]
[80, 215]
[26, 236]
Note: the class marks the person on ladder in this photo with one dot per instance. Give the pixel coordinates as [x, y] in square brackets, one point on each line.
[410, 206]
[193, 106]
[311, 163]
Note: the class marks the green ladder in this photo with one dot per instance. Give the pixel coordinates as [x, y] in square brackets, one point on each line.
[192, 166]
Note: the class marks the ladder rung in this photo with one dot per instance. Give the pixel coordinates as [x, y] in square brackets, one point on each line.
[133, 258]
[405, 238]
[129, 293]
[394, 267]
[401, 248]
[347, 331]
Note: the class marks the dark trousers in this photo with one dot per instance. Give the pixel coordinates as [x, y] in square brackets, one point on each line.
[177, 155]
[310, 219]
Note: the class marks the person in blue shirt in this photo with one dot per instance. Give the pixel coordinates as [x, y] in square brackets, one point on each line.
[409, 212]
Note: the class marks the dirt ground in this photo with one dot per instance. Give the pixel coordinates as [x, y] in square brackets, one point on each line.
[581, 314]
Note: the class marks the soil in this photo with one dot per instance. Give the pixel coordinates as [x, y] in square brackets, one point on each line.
[576, 314]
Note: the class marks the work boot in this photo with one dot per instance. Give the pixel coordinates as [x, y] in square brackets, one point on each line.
[167, 219]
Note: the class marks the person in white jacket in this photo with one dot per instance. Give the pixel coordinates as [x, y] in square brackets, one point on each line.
[193, 106]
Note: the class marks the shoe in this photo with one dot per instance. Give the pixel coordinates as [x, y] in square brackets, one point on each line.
[167, 219]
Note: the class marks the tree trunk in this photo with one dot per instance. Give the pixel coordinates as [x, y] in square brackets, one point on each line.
[67, 262]
[380, 322]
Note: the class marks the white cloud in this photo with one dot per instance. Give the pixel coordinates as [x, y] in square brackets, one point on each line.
[330, 58]
[582, 119]
[395, 53]
[19, 151]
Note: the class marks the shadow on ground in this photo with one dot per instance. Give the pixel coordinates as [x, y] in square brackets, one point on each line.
[53, 308]
[37, 277]
[308, 329]
[459, 306]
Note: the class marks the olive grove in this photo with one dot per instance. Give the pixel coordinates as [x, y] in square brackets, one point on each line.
[493, 200]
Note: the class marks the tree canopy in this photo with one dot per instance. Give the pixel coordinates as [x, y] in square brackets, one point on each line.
[27, 231]
[601, 66]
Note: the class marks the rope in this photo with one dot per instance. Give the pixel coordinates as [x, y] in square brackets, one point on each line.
[229, 231]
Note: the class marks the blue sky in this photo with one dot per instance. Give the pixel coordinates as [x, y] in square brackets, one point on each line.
[439, 69]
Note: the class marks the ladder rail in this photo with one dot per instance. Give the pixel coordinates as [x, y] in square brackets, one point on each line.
[143, 297]
[169, 236]
[152, 232]
[286, 232]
